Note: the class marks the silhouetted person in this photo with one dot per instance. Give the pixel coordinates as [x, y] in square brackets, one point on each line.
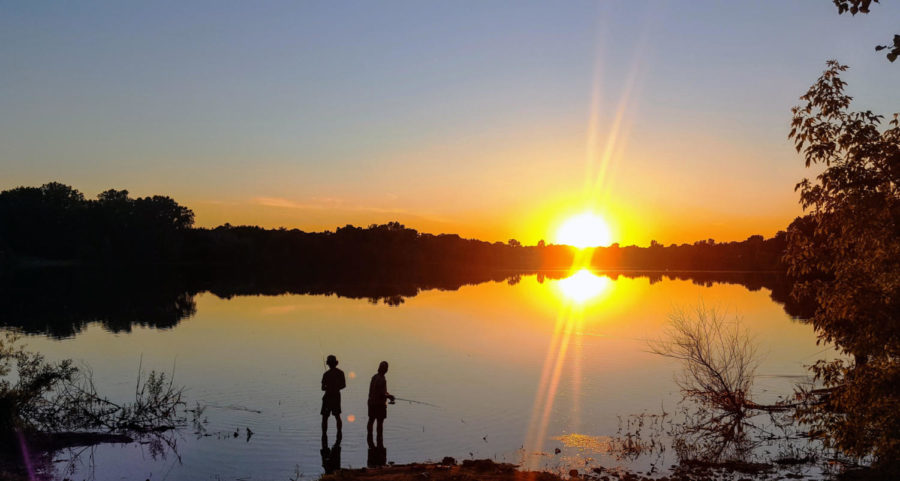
[332, 382]
[378, 396]
[331, 458]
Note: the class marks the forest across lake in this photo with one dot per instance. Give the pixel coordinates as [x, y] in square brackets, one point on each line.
[55, 223]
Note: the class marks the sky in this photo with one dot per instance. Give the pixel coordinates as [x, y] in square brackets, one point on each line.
[493, 120]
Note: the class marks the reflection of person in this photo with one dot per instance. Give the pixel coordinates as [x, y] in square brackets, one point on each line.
[331, 458]
[332, 382]
[377, 455]
[378, 396]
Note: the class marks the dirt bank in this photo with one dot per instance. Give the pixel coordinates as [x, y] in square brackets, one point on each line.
[487, 470]
[447, 470]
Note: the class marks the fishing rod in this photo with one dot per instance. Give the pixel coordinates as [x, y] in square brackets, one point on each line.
[413, 401]
[233, 407]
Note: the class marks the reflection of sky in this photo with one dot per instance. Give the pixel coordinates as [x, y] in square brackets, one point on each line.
[479, 353]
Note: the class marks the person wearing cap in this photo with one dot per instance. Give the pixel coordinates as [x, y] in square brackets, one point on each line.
[378, 396]
[332, 382]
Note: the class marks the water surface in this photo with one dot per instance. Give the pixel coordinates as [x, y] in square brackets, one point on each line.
[510, 367]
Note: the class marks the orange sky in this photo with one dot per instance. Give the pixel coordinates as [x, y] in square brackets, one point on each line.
[494, 121]
[526, 195]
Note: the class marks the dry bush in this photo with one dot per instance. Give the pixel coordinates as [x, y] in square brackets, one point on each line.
[719, 358]
[52, 397]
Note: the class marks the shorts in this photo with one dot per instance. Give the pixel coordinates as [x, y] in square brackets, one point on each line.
[377, 411]
[331, 405]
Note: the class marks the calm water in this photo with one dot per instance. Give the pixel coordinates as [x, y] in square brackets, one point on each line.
[509, 368]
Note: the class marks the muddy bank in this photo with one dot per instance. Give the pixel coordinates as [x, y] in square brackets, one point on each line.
[447, 470]
[488, 470]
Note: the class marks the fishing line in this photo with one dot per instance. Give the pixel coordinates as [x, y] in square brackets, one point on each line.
[413, 401]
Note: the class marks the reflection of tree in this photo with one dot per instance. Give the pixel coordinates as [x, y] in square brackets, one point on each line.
[394, 300]
[62, 301]
[161, 261]
[718, 361]
[714, 437]
[708, 434]
[65, 456]
[701, 435]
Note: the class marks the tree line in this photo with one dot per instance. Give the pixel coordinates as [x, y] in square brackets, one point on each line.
[55, 223]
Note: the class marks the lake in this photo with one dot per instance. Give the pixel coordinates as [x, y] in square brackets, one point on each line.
[503, 370]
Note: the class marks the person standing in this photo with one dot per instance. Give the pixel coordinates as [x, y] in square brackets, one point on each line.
[378, 397]
[332, 382]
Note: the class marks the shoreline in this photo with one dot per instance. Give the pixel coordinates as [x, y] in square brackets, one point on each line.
[488, 470]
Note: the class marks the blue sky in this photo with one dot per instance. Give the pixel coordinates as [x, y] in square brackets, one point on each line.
[469, 117]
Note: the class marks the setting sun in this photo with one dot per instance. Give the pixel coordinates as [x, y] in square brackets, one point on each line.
[541, 220]
[584, 230]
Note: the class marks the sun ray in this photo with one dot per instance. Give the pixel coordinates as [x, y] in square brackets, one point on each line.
[546, 393]
[587, 232]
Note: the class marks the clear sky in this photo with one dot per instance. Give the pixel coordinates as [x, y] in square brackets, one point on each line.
[493, 119]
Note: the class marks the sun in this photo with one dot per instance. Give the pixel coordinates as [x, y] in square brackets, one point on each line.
[584, 230]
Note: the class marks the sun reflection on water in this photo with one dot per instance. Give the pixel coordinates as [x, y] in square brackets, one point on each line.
[584, 286]
[564, 357]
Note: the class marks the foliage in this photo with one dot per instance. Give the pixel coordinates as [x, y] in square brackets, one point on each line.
[56, 222]
[853, 6]
[895, 48]
[76, 405]
[57, 397]
[35, 378]
[718, 357]
[862, 6]
[848, 261]
[752, 254]
[859, 414]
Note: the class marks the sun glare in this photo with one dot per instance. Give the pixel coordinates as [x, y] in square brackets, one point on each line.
[584, 230]
[584, 286]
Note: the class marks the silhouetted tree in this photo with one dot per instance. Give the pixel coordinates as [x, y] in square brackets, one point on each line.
[42, 221]
[862, 6]
[847, 258]
[55, 222]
